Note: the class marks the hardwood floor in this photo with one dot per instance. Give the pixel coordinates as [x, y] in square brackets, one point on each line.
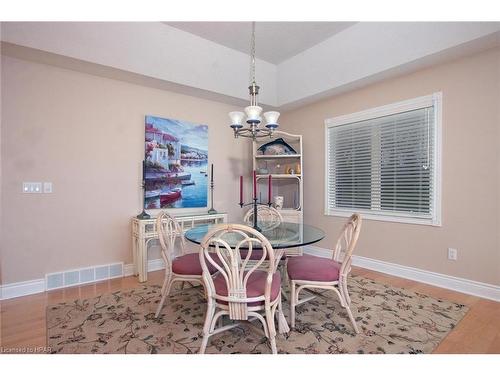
[22, 320]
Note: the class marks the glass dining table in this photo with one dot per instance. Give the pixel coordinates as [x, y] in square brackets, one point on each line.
[282, 236]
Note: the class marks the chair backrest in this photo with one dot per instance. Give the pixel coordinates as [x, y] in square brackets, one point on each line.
[269, 217]
[168, 231]
[346, 243]
[236, 271]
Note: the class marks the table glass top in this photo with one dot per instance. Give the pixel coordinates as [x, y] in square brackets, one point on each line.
[283, 236]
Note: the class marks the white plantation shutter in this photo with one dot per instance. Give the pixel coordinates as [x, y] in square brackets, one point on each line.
[383, 162]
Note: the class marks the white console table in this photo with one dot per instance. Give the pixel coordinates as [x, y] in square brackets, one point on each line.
[143, 231]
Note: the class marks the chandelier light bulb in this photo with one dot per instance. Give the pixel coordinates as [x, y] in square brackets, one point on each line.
[237, 118]
[271, 117]
[253, 113]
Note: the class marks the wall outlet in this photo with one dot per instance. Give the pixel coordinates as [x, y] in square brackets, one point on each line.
[452, 253]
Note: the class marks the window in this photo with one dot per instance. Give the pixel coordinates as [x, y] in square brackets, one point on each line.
[385, 162]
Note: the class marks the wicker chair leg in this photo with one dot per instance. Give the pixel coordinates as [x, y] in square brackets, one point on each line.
[165, 291]
[272, 330]
[353, 321]
[165, 283]
[346, 293]
[282, 324]
[273, 345]
[346, 303]
[169, 287]
[206, 327]
[160, 305]
[292, 304]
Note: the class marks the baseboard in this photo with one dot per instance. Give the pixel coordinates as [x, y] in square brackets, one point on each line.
[25, 288]
[153, 265]
[475, 288]
[22, 288]
[128, 270]
[466, 286]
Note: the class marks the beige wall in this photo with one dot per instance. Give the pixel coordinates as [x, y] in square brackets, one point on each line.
[470, 161]
[85, 134]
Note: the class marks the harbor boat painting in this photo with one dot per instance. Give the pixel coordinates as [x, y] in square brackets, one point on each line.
[176, 155]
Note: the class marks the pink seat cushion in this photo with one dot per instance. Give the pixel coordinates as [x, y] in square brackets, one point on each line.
[255, 286]
[256, 255]
[309, 267]
[189, 264]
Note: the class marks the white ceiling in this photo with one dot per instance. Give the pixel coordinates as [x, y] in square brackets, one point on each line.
[163, 56]
[274, 41]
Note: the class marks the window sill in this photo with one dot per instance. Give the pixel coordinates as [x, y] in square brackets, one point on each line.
[389, 218]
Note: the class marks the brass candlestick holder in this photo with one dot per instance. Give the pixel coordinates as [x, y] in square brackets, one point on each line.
[255, 204]
[212, 210]
[143, 215]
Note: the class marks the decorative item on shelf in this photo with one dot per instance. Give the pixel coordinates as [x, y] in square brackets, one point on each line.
[255, 202]
[297, 169]
[143, 215]
[290, 170]
[253, 112]
[277, 168]
[278, 202]
[212, 210]
[263, 170]
[276, 147]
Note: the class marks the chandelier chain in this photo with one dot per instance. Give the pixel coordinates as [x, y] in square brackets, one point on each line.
[253, 111]
[252, 54]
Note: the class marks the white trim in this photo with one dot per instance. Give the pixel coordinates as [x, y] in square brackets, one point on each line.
[438, 167]
[475, 288]
[156, 264]
[128, 270]
[22, 288]
[434, 100]
[25, 288]
[385, 110]
[381, 216]
[153, 265]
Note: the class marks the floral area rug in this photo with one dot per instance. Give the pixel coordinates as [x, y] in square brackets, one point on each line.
[391, 320]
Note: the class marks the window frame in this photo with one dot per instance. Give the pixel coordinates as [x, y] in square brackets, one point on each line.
[434, 100]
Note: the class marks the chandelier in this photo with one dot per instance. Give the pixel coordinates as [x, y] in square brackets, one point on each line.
[252, 114]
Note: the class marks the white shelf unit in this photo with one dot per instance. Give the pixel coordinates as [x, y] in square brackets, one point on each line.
[278, 156]
[289, 185]
[279, 175]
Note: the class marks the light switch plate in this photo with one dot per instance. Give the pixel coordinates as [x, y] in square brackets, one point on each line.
[32, 187]
[452, 254]
[47, 187]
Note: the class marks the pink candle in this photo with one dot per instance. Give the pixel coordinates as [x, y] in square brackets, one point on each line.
[241, 190]
[269, 190]
[254, 185]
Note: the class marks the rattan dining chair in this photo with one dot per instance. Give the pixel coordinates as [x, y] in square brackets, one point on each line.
[239, 290]
[179, 265]
[268, 217]
[311, 272]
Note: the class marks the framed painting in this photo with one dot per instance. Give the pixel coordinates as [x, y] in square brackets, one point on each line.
[176, 160]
